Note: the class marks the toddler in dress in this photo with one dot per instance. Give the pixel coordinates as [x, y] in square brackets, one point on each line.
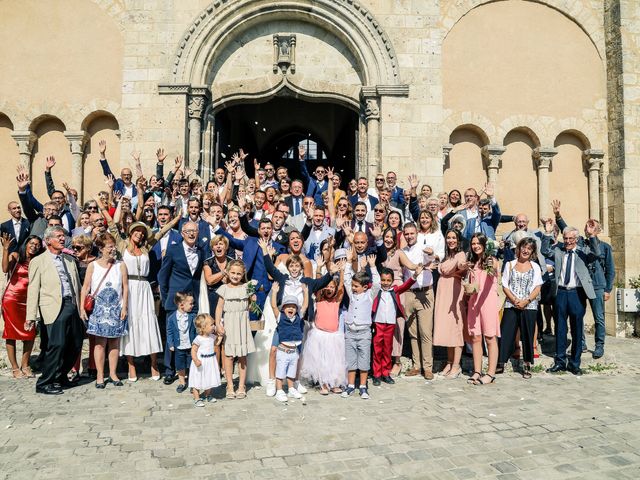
[204, 373]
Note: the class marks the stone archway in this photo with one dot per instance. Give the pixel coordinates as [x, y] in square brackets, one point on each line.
[203, 67]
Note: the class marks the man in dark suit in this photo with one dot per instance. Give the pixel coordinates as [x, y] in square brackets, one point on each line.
[573, 286]
[180, 272]
[17, 227]
[602, 273]
[316, 186]
[362, 196]
[253, 259]
[278, 234]
[193, 215]
[397, 193]
[124, 184]
[296, 199]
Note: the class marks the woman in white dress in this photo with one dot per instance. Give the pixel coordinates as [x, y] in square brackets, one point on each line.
[144, 333]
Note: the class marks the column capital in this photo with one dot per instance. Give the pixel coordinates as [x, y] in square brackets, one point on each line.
[543, 156]
[197, 105]
[77, 140]
[25, 141]
[446, 151]
[371, 108]
[593, 158]
[492, 155]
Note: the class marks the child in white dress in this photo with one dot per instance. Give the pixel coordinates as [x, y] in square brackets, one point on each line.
[204, 373]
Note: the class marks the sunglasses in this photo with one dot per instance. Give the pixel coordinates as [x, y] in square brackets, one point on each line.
[379, 179]
[320, 171]
[378, 210]
[77, 248]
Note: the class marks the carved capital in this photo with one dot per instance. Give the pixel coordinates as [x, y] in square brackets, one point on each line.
[593, 159]
[196, 106]
[371, 108]
[25, 141]
[543, 156]
[446, 151]
[77, 141]
[492, 156]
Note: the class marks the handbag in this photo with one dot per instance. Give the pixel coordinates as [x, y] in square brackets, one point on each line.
[470, 287]
[90, 299]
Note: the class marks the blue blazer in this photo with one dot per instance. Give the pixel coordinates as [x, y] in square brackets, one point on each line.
[397, 197]
[175, 275]
[7, 227]
[118, 185]
[204, 234]
[313, 188]
[488, 224]
[373, 201]
[173, 334]
[313, 285]
[155, 254]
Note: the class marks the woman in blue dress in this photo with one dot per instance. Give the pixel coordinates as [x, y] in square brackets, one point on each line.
[106, 281]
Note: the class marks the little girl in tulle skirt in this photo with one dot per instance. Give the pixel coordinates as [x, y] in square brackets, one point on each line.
[323, 355]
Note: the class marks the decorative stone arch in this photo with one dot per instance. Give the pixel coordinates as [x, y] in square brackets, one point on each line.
[532, 126]
[473, 121]
[351, 23]
[572, 9]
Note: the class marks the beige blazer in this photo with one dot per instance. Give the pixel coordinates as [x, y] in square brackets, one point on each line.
[44, 294]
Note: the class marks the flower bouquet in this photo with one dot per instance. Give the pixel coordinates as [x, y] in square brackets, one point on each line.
[490, 254]
[254, 308]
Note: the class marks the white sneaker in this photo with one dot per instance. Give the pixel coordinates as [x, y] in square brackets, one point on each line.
[293, 393]
[271, 387]
[301, 388]
[281, 396]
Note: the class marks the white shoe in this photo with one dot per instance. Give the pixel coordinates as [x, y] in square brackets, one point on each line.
[271, 387]
[301, 388]
[293, 393]
[281, 396]
[155, 378]
[132, 379]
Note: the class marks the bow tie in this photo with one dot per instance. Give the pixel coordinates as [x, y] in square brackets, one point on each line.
[192, 249]
[319, 229]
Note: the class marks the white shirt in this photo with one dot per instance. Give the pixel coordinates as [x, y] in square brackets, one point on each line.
[17, 225]
[434, 240]
[183, 330]
[574, 281]
[386, 312]
[416, 255]
[164, 241]
[192, 256]
[361, 304]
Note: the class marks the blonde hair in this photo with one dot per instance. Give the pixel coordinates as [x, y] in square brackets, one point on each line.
[201, 322]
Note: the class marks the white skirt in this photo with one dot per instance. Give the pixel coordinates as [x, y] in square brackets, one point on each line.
[206, 376]
[143, 337]
[323, 358]
[258, 361]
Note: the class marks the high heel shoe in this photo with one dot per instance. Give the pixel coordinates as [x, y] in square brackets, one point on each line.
[453, 376]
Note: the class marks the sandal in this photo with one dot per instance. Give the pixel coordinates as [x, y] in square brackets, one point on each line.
[453, 373]
[336, 390]
[474, 381]
[323, 391]
[445, 371]
[526, 372]
[480, 382]
[240, 394]
[20, 373]
[230, 395]
[26, 371]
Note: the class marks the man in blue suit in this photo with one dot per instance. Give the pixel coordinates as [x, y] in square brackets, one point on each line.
[573, 286]
[397, 193]
[362, 196]
[16, 227]
[193, 215]
[180, 272]
[124, 184]
[253, 259]
[315, 186]
[602, 273]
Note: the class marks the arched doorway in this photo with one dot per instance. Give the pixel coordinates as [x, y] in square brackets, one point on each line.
[271, 132]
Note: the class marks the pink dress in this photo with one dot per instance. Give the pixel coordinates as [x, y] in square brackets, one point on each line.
[450, 309]
[482, 308]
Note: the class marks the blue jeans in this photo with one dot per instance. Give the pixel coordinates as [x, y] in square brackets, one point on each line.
[597, 309]
[571, 305]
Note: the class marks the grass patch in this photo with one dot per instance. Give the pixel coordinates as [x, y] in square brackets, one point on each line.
[537, 368]
[600, 367]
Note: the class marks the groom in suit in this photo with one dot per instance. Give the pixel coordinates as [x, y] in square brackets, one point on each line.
[17, 226]
[180, 272]
[573, 286]
[53, 296]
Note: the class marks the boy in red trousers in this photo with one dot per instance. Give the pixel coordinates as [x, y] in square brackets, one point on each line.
[387, 307]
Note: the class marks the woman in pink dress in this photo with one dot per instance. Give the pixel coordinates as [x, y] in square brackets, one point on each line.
[482, 309]
[450, 308]
[14, 302]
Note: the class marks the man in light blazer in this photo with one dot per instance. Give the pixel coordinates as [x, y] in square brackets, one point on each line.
[53, 296]
[573, 286]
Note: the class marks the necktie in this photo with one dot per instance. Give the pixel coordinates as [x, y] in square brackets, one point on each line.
[66, 271]
[296, 206]
[567, 271]
[360, 226]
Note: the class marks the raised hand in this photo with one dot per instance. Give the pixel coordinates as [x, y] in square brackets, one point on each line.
[66, 186]
[242, 202]
[329, 173]
[376, 231]
[49, 163]
[160, 155]
[230, 166]
[110, 181]
[350, 254]
[301, 152]
[256, 164]
[178, 162]
[489, 190]
[6, 241]
[555, 205]
[187, 172]
[271, 251]
[264, 245]
[413, 181]
[591, 229]
[548, 225]
[371, 260]
[22, 179]
[239, 175]
[136, 156]
[235, 158]
[320, 262]
[243, 155]
[102, 148]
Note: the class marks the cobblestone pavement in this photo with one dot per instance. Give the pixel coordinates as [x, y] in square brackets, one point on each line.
[549, 427]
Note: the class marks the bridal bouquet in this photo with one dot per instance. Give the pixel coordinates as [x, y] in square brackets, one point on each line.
[491, 252]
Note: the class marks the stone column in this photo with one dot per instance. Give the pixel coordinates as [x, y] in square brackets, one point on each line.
[77, 141]
[594, 159]
[446, 152]
[492, 156]
[25, 141]
[372, 118]
[543, 157]
[197, 103]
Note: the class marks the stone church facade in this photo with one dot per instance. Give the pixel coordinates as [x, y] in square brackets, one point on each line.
[540, 97]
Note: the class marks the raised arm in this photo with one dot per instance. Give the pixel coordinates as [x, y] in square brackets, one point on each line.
[49, 163]
[331, 204]
[102, 148]
[246, 227]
